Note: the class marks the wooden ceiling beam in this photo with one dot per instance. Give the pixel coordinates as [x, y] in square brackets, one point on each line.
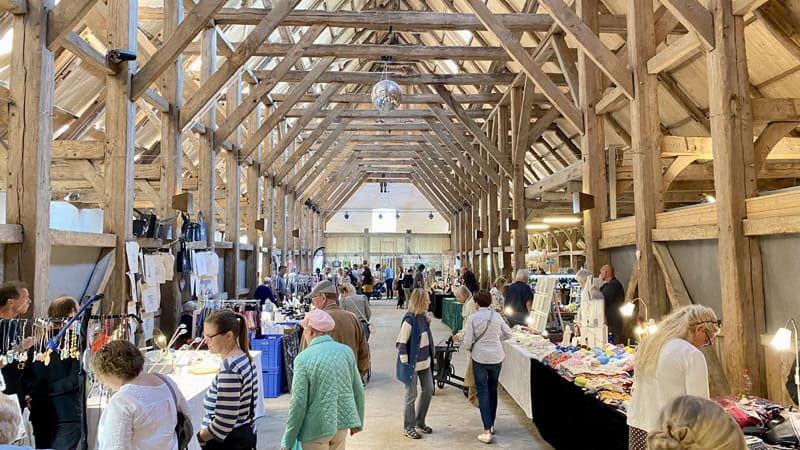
[572, 172]
[542, 80]
[312, 178]
[410, 99]
[591, 45]
[695, 17]
[303, 149]
[442, 144]
[211, 88]
[377, 51]
[295, 92]
[189, 28]
[412, 21]
[396, 114]
[16, 7]
[261, 90]
[63, 18]
[466, 145]
[700, 147]
[417, 78]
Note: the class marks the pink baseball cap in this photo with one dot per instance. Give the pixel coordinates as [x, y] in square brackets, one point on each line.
[318, 320]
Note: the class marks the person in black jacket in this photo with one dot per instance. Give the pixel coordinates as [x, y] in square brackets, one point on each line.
[53, 391]
[469, 280]
[614, 296]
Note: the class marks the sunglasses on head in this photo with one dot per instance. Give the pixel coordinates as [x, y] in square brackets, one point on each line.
[718, 322]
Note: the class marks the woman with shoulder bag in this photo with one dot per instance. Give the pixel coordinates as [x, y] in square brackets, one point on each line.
[358, 305]
[229, 420]
[483, 335]
[142, 413]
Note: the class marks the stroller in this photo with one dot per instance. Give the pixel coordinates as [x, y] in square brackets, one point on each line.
[444, 372]
[377, 291]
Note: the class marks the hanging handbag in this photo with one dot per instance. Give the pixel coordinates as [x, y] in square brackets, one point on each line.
[183, 262]
[183, 427]
[201, 227]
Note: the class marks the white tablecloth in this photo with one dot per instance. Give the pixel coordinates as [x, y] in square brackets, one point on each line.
[193, 388]
[516, 376]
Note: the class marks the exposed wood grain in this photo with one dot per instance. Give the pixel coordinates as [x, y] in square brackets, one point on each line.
[14, 6]
[63, 18]
[695, 17]
[82, 239]
[675, 53]
[195, 21]
[259, 34]
[572, 172]
[686, 233]
[589, 42]
[512, 45]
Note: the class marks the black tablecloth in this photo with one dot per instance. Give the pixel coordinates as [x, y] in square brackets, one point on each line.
[437, 300]
[569, 419]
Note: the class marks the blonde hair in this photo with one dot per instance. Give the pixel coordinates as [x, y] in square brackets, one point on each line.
[416, 304]
[676, 325]
[462, 294]
[500, 282]
[348, 290]
[10, 418]
[522, 275]
[690, 422]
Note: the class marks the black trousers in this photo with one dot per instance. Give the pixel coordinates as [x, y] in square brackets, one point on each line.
[242, 438]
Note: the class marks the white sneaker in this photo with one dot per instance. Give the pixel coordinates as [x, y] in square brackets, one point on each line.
[486, 438]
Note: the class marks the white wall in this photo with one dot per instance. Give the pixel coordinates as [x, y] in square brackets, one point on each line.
[401, 196]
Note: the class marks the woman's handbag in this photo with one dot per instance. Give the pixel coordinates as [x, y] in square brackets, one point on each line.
[183, 428]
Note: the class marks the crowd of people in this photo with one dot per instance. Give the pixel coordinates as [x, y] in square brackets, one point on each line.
[670, 408]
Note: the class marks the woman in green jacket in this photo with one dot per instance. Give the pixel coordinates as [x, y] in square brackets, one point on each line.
[327, 394]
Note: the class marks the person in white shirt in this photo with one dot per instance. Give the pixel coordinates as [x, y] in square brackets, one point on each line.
[483, 336]
[669, 365]
[142, 414]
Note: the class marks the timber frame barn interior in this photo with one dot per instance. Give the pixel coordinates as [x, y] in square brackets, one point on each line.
[262, 110]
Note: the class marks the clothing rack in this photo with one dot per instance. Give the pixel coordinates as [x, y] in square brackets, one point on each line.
[206, 307]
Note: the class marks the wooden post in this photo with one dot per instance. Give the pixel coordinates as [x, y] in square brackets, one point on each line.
[732, 146]
[590, 83]
[648, 195]
[504, 124]
[291, 242]
[30, 137]
[519, 132]
[171, 157]
[207, 179]
[233, 183]
[254, 210]
[120, 129]
[279, 219]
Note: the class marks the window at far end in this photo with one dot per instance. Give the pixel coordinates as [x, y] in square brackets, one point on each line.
[383, 221]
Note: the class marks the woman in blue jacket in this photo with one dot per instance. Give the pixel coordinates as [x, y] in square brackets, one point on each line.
[414, 362]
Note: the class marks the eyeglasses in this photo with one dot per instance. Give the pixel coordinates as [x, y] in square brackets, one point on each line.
[208, 337]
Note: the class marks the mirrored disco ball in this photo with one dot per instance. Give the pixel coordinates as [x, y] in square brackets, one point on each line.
[386, 95]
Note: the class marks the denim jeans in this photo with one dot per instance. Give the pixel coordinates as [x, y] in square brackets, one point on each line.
[486, 376]
[412, 418]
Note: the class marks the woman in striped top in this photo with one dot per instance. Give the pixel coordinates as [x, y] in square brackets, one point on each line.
[229, 420]
[414, 362]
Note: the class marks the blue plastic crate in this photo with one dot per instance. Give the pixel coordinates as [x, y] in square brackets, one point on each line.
[272, 382]
[271, 348]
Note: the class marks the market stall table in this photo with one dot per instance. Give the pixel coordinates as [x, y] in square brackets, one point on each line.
[437, 303]
[515, 377]
[451, 314]
[568, 417]
[193, 388]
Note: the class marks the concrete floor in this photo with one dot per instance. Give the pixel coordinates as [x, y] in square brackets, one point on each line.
[455, 422]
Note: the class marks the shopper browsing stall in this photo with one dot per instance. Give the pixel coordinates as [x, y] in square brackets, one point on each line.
[358, 305]
[141, 415]
[690, 422]
[229, 420]
[10, 422]
[483, 335]
[327, 395]
[668, 365]
[14, 302]
[519, 299]
[53, 390]
[415, 352]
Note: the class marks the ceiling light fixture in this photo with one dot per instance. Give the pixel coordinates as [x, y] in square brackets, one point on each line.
[430, 215]
[561, 220]
[346, 216]
[537, 226]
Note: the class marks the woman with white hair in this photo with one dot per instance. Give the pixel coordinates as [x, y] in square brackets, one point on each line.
[519, 299]
[356, 304]
[690, 422]
[10, 423]
[327, 395]
[669, 365]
